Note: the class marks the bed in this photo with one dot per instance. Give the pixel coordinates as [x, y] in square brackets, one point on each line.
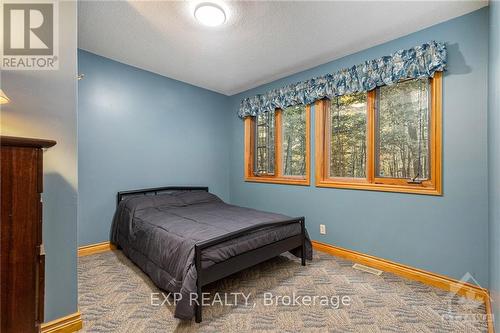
[185, 238]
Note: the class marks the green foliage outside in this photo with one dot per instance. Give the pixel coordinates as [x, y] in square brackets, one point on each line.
[294, 141]
[347, 122]
[264, 163]
[403, 130]
[402, 135]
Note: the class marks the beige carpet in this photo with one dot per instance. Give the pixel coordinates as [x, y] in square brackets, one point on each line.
[115, 296]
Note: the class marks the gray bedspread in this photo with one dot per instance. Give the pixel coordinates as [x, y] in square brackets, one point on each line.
[158, 234]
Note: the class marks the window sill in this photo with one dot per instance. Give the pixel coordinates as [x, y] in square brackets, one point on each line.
[411, 189]
[279, 180]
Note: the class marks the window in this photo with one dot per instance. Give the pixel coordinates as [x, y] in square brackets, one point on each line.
[294, 141]
[388, 139]
[277, 146]
[264, 144]
[347, 136]
[402, 130]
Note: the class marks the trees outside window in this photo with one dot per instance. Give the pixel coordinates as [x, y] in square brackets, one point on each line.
[388, 139]
[277, 146]
[346, 130]
[264, 144]
[402, 119]
[294, 141]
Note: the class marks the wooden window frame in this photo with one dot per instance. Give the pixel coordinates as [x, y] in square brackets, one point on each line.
[278, 177]
[432, 186]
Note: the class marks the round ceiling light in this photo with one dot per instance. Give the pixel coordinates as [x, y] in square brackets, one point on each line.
[210, 14]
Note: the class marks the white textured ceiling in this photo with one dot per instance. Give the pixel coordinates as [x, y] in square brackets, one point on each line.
[260, 42]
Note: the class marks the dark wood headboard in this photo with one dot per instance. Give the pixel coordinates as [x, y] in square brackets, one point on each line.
[157, 190]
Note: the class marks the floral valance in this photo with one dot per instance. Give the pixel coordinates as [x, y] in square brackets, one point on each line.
[417, 62]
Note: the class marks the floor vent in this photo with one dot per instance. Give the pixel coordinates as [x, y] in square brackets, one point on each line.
[367, 269]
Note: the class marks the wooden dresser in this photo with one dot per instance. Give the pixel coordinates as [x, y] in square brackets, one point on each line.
[22, 257]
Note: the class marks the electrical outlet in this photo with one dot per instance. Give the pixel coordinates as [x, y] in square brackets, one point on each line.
[322, 229]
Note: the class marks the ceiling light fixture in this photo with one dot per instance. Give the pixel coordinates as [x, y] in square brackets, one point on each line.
[210, 14]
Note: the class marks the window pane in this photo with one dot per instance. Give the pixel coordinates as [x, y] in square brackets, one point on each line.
[403, 130]
[347, 146]
[264, 145]
[294, 140]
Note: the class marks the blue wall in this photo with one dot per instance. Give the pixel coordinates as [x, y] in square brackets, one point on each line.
[137, 129]
[43, 105]
[494, 154]
[448, 234]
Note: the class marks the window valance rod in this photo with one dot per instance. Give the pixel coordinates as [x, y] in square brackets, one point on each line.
[414, 63]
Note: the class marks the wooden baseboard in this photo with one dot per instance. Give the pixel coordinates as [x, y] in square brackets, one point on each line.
[439, 281]
[95, 248]
[67, 324]
[489, 314]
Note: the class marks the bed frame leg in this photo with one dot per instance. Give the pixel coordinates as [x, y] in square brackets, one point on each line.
[197, 316]
[303, 233]
[198, 307]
